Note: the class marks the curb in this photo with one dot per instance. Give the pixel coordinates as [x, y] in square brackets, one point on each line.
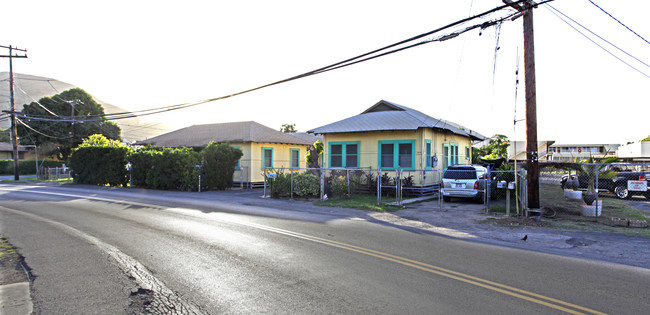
[15, 298]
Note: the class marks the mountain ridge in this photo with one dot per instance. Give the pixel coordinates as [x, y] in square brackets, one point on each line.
[29, 88]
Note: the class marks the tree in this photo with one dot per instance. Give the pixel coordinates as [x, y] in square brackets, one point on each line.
[289, 128]
[646, 139]
[497, 148]
[4, 135]
[312, 155]
[56, 137]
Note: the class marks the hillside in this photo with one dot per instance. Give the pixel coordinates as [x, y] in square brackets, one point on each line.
[29, 88]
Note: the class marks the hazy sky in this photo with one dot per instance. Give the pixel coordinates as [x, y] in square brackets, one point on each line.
[145, 54]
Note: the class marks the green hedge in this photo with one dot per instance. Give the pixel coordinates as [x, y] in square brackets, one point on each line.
[26, 167]
[100, 165]
[165, 168]
[170, 168]
[219, 161]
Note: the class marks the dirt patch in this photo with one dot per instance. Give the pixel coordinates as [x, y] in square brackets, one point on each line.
[518, 221]
[11, 268]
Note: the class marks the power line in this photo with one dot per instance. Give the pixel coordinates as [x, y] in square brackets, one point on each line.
[600, 37]
[552, 9]
[384, 51]
[619, 22]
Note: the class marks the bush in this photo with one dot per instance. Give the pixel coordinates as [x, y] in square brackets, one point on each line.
[219, 162]
[100, 165]
[306, 184]
[173, 169]
[26, 167]
[281, 185]
[141, 163]
[338, 185]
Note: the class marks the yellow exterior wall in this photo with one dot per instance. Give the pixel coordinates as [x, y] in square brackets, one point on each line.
[251, 162]
[369, 149]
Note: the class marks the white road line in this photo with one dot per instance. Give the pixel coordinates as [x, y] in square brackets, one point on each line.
[163, 299]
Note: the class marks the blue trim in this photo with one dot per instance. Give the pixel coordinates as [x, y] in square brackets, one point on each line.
[264, 158]
[395, 152]
[238, 167]
[291, 159]
[344, 145]
[427, 154]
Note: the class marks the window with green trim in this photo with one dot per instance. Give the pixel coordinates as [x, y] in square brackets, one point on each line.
[454, 153]
[344, 154]
[450, 154]
[295, 158]
[468, 153]
[238, 166]
[397, 153]
[267, 158]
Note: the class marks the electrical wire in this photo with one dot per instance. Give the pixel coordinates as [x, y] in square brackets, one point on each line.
[593, 41]
[599, 37]
[35, 101]
[38, 132]
[348, 62]
[619, 22]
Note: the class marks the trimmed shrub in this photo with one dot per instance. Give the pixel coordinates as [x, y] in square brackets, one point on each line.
[142, 161]
[339, 185]
[173, 169]
[100, 165]
[306, 184]
[26, 167]
[219, 162]
[281, 185]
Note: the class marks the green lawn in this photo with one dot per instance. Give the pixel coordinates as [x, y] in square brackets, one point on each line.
[363, 202]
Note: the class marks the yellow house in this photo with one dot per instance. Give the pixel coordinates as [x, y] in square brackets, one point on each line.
[7, 152]
[263, 148]
[388, 136]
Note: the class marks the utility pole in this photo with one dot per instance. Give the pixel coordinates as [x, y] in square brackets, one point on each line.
[14, 135]
[532, 156]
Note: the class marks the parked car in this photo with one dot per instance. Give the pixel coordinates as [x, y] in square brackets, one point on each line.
[622, 188]
[617, 185]
[467, 181]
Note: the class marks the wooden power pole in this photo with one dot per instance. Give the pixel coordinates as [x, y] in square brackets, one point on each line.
[14, 135]
[532, 156]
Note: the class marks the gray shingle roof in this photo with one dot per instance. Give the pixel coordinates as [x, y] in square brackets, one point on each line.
[8, 147]
[202, 135]
[390, 116]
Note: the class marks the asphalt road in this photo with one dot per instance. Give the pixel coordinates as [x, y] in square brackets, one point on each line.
[117, 251]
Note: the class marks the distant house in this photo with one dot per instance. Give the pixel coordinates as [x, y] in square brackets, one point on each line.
[388, 136]
[569, 152]
[263, 147]
[7, 151]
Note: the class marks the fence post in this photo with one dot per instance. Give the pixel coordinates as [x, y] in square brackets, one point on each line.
[378, 186]
[440, 187]
[486, 195]
[291, 170]
[322, 183]
[398, 186]
[264, 184]
[347, 175]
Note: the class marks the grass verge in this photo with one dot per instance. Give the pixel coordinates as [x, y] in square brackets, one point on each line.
[360, 202]
[56, 181]
[568, 216]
